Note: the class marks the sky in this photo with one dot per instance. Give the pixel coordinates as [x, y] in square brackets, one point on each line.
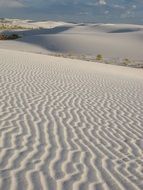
[107, 11]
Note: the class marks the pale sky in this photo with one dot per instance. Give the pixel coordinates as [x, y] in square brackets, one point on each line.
[75, 10]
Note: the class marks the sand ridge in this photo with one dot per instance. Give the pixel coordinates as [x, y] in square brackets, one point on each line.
[113, 41]
[69, 124]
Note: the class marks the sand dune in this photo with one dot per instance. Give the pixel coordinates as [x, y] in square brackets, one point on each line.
[69, 124]
[31, 23]
[110, 40]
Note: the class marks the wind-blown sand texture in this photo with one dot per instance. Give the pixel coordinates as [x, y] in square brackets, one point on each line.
[69, 124]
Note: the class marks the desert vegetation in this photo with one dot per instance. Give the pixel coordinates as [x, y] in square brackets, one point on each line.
[99, 57]
[9, 37]
[126, 61]
[4, 26]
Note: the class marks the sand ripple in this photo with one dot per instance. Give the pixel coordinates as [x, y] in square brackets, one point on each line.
[66, 125]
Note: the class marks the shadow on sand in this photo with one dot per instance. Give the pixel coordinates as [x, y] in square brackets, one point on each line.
[126, 30]
[39, 31]
[35, 36]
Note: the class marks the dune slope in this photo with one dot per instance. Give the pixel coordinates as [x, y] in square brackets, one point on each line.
[67, 124]
[113, 41]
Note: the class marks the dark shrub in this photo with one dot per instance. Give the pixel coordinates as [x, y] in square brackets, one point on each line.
[99, 57]
[9, 37]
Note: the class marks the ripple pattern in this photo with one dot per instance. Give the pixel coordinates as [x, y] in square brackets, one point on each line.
[66, 125]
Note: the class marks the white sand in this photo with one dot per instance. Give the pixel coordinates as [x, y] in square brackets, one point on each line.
[69, 124]
[110, 40]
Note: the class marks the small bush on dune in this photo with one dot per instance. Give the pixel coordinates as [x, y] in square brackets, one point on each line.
[3, 37]
[126, 61]
[99, 57]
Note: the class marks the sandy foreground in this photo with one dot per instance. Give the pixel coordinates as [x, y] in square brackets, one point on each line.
[69, 124]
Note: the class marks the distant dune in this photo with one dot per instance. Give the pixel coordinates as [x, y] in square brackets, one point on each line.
[110, 40]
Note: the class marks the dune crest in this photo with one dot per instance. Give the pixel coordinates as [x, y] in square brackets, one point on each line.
[113, 41]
